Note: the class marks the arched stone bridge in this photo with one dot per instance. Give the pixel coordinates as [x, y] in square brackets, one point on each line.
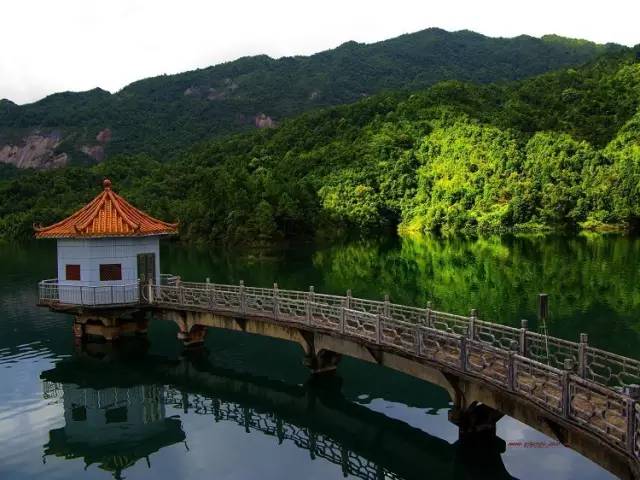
[585, 397]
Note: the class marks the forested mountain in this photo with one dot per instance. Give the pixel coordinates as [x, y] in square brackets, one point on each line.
[163, 115]
[561, 150]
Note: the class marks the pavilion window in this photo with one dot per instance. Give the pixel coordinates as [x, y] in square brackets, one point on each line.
[110, 272]
[72, 272]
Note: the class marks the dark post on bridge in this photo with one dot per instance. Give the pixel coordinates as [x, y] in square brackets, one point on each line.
[543, 307]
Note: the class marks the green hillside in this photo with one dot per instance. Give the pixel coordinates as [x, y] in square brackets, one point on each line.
[558, 151]
[163, 115]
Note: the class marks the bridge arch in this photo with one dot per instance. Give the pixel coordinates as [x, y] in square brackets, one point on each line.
[585, 397]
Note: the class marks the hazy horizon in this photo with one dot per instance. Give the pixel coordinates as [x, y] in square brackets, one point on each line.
[167, 40]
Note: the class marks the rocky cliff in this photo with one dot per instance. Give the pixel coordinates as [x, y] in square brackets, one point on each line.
[36, 151]
[40, 150]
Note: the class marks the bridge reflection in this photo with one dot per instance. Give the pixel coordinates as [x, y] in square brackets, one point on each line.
[116, 414]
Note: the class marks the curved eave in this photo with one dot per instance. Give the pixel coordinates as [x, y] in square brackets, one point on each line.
[45, 235]
[108, 215]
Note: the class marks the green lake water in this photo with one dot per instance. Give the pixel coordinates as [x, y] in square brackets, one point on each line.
[245, 407]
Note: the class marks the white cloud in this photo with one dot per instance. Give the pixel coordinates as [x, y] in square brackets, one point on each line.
[78, 44]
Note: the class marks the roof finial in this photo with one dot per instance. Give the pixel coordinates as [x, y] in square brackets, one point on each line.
[106, 183]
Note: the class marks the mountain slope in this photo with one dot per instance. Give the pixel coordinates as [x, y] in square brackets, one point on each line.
[165, 114]
[558, 151]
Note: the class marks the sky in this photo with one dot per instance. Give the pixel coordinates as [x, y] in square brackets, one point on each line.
[48, 46]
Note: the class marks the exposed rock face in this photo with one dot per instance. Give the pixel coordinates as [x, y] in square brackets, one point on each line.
[210, 93]
[37, 152]
[264, 121]
[96, 152]
[104, 136]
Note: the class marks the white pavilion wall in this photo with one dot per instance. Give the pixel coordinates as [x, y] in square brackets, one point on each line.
[92, 252]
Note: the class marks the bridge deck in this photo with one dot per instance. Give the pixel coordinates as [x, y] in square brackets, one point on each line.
[587, 387]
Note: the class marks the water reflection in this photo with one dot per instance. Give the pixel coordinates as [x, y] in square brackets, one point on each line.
[592, 279]
[115, 414]
[112, 427]
[593, 286]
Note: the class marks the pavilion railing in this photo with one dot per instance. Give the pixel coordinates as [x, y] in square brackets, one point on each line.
[54, 292]
[592, 388]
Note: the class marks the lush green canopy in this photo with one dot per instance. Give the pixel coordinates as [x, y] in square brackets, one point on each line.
[561, 150]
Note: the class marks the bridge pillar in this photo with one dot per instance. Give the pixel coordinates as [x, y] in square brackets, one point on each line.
[108, 326]
[323, 361]
[480, 456]
[193, 336]
[475, 421]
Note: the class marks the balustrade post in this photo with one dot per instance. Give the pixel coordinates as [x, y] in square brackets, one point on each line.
[378, 329]
[523, 337]
[463, 353]
[348, 299]
[582, 355]
[429, 319]
[472, 324]
[243, 302]
[633, 392]
[279, 430]
[343, 314]
[150, 291]
[511, 370]
[310, 304]
[179, 287]
[214, 296]
[566, 394]
[208, 290]
[386, 309]
[275, 301]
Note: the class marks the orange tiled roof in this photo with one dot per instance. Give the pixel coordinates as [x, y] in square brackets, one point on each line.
[107, 215]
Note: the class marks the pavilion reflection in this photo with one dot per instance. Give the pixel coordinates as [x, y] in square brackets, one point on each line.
[113, 427]
[115, 415]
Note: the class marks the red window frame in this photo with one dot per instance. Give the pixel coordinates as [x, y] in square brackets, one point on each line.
[72, 272]
[110, 272]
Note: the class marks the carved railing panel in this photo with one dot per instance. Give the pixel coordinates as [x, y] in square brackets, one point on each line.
[325, 316]
[293, 295]
[600, 410]
[226, 299]
[405, 314]
[496, 335]
[610, 369]
[539, 383]
[401, 335]
[488, 362]
[292, 310]
[259, 304]
[332, 300]
[440, 347]
[361, 324]
[195, 297]
[368, 306]
[167, 295]
[550, 350]
[449, 322]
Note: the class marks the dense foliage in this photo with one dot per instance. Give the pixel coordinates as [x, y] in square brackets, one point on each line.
[163, 115]
[561, 150]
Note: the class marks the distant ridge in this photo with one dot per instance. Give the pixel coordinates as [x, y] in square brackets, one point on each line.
[163, 115]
